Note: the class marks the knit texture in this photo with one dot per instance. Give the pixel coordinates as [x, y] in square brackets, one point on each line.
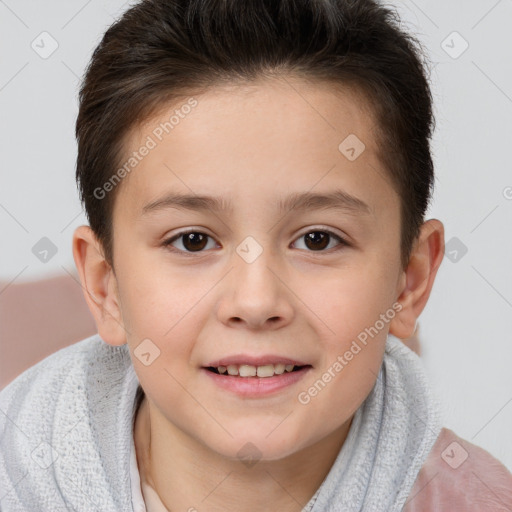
[66, 430]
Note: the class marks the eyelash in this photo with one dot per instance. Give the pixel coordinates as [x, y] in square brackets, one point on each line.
[167, 243]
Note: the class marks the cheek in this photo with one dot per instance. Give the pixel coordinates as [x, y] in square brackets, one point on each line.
[350, 308]
[160, 317]
[155, 298]
[347, 301]
[343, 381]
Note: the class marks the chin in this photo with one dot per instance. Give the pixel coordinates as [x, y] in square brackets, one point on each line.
[251, 445]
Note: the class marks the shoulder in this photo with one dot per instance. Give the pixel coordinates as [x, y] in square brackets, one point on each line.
[35, 394]
[55, 374]
[42, 405]
[458, 475]
[47, 373]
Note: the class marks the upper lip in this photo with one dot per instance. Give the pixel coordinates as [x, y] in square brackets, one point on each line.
[261, 360]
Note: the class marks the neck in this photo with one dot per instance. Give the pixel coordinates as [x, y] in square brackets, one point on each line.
[188, 475]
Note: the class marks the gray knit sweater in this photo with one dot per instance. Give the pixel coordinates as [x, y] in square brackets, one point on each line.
[66, 428]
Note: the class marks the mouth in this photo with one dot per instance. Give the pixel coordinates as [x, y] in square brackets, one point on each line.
[262, 371]
[258, 380]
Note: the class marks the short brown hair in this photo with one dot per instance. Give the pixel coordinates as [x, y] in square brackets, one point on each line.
[160, 50]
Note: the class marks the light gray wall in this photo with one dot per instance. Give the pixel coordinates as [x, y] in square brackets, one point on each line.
[466, 326]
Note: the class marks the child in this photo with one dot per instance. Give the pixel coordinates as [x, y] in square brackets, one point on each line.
[254, 371]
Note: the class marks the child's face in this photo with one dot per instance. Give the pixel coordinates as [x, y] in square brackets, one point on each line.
[304, 298]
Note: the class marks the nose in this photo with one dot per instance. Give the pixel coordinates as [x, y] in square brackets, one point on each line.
[255, 295]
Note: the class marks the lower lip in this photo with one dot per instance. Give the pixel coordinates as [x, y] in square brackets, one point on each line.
[257, 386]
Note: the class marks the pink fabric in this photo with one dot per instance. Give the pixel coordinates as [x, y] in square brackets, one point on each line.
[460, 476]
[38, 318]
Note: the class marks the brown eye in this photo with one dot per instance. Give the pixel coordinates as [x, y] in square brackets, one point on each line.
[194, 241]
[319, 240]
[191, 241]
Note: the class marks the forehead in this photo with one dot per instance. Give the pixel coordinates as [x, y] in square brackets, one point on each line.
[256, 139]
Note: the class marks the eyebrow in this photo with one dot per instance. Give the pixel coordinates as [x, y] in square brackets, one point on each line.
[335, 200]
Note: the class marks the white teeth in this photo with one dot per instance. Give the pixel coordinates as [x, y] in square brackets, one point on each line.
[279, 369]
[265, 371]
[247, 370]
[232, 369]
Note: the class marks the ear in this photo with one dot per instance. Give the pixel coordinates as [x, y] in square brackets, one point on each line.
[416, 281]
[99, 284]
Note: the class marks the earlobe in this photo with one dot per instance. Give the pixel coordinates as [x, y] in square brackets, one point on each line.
[99, 286]
[417, 279]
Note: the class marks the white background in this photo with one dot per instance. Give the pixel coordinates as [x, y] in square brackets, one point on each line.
[466, 326]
